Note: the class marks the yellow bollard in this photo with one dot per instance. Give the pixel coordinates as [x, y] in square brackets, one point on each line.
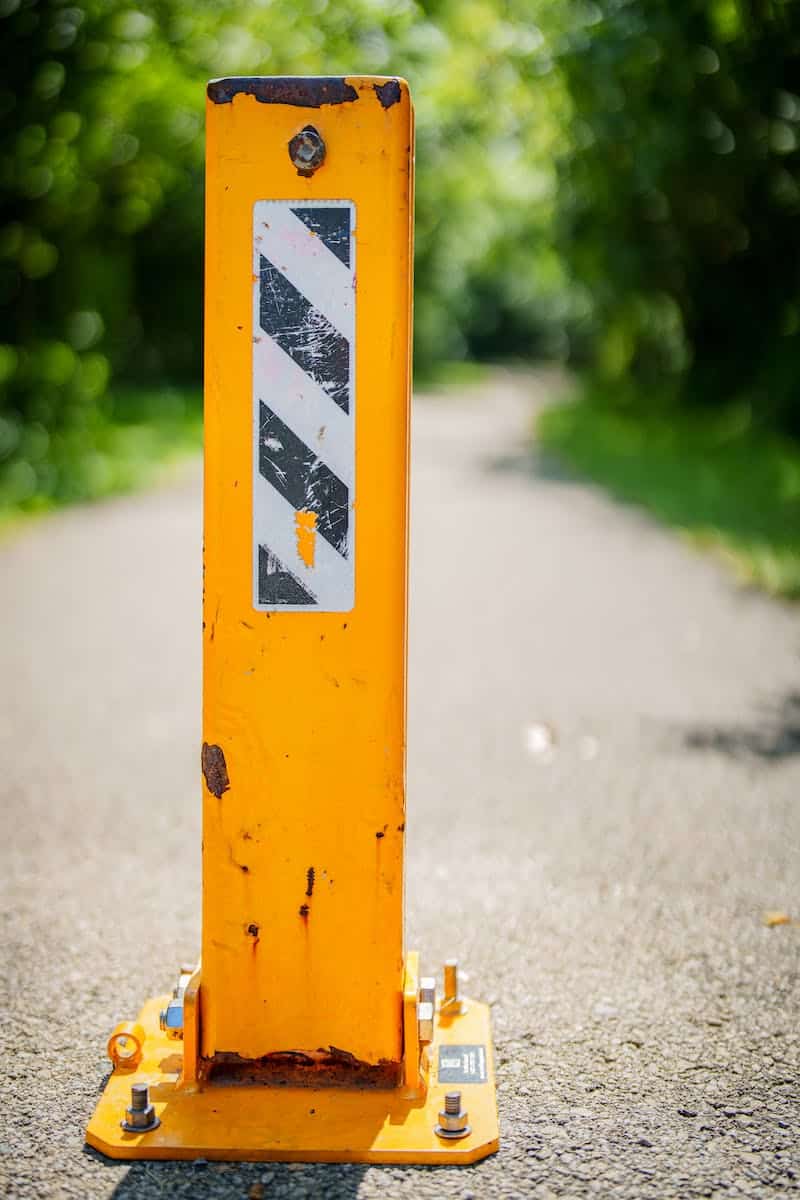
[303, 1032]
[304, 698]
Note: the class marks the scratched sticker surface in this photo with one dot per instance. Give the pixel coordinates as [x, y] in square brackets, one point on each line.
[303, 405]
[462, 1064]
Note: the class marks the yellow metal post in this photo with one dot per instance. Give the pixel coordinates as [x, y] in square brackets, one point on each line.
[305, 709]
[306, 1033]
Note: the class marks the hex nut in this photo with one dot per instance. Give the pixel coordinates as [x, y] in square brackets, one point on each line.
[140, 1116]
[173, 1019]
[453, 1124]
[453, 1120]
[425, 1021]
[140, 1122]
[427, 990]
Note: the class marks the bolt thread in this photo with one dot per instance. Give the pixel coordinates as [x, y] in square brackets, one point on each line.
[452, 1103]
[451, 979]
[139, 1097]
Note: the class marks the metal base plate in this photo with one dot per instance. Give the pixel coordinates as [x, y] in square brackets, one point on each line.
[255, 1123]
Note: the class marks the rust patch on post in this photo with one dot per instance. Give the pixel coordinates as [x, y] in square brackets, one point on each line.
[388, 93]
[300, 1068]
[215, 770]
[301, 91]
[304, 911]
[310, 881]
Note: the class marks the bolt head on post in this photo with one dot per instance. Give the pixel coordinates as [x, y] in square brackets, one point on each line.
[427, 990]
[453, 1119]
[451, 1000]
[307, 150]
[140, 1116]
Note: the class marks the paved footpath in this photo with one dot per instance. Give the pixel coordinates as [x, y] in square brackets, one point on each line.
[604, 797]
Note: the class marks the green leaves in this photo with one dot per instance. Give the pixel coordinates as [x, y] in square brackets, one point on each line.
[616, 181]
[101, 159]
[678, 192]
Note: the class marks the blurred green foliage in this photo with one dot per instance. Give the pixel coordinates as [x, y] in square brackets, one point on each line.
[729, 486]
[613, 181]
[101, 159]
[679, 196]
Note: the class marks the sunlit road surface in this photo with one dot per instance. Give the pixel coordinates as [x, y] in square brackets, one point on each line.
[604, 800]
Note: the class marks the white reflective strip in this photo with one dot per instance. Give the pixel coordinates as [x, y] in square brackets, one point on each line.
[331, 577]
[303, 406]
[306, 262]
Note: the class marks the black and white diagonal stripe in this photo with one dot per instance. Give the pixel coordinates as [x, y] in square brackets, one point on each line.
[303, 403]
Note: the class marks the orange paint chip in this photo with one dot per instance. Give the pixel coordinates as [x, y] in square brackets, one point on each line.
[774, 917]
[306, 529]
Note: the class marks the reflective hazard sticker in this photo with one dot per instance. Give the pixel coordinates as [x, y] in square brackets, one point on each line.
[303, 405]
[462, 1064]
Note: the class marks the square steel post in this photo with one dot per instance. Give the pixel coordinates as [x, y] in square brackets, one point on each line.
[306, 499]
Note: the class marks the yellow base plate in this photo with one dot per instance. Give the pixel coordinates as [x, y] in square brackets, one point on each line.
[255, 1123]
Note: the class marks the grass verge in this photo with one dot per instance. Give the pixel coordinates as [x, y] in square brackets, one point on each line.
[140, 433]
[124, 444]
[447, 374]
[716, 476]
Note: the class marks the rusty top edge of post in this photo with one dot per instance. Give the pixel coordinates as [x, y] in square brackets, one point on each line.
[302, 91]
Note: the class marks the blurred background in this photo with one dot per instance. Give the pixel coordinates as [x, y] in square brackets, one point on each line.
[612, 185]
[604, 729]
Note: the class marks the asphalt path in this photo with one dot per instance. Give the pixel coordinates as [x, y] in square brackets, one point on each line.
[603, 801]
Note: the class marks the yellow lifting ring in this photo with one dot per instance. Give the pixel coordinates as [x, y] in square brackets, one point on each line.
[125, 1045]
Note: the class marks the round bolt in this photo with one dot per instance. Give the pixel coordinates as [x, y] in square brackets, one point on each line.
[307, 150]
[427, 990]
[140, 1117]
[453, 1120]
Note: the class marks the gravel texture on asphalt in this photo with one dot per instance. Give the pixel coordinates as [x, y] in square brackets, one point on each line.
[604, 787]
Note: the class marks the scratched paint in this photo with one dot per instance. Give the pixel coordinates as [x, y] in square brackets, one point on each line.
[306, 531]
